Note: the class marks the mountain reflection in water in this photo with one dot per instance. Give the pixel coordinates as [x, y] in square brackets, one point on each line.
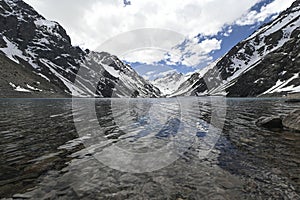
[188, 148]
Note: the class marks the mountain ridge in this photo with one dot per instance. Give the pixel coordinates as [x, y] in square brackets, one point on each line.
[246, 70]
[43, 63]
[43, 46]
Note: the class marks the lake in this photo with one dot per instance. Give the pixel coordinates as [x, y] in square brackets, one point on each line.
[177, 148]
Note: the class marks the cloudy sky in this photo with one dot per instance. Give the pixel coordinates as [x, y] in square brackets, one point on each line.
[208, 27]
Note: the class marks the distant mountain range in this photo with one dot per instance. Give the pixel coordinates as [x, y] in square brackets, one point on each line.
[169, 83]
[38, 60]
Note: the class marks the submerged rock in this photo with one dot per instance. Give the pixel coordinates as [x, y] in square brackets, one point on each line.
[292, 121]
[292, 101]
[270, 122]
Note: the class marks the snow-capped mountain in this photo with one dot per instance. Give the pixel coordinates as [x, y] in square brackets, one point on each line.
[38, 59]
[186, 88]
[266, 63]
[170, 82]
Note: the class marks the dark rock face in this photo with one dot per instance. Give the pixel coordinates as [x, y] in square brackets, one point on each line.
[270, 70]
[270, 122]
[195, 82]
[11, 72]
[110, 77]
[44, 47]
[34, 35]
[292, 121]
[267, 63]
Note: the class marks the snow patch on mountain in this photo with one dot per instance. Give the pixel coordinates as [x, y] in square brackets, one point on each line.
[44, 48]
[265, 63]
[18, 88]
[11, 51]
[111, 70]
[169, 83]
[281, 86]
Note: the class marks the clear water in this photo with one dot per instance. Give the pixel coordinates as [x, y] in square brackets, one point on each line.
[187, 148]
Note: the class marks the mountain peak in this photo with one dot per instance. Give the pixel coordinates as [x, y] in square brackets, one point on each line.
[44, 48]
[266, 63]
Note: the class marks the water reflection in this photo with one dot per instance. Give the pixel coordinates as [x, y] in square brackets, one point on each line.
[144, 135]
[29, 130]
[174, 144]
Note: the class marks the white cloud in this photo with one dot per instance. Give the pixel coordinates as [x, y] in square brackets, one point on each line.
[149, 56]
[259, 16]
[152, 75]
[228, 32]
[90, 22]
[163, 74]
[193, 52]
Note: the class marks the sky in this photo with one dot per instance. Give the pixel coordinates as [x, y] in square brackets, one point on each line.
[189, 34]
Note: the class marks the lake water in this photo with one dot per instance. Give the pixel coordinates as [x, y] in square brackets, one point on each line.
[185, 148]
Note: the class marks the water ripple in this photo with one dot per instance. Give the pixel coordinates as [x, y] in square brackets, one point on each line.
[42, 149]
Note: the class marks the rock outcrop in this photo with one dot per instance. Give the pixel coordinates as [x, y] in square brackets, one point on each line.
[292, 121]
[270, 122]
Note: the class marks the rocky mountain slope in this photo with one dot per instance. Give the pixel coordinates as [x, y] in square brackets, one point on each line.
[37, 59]
[170, 82]
[265, 64]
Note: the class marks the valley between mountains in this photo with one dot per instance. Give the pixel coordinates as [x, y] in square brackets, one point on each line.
[37, 59]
